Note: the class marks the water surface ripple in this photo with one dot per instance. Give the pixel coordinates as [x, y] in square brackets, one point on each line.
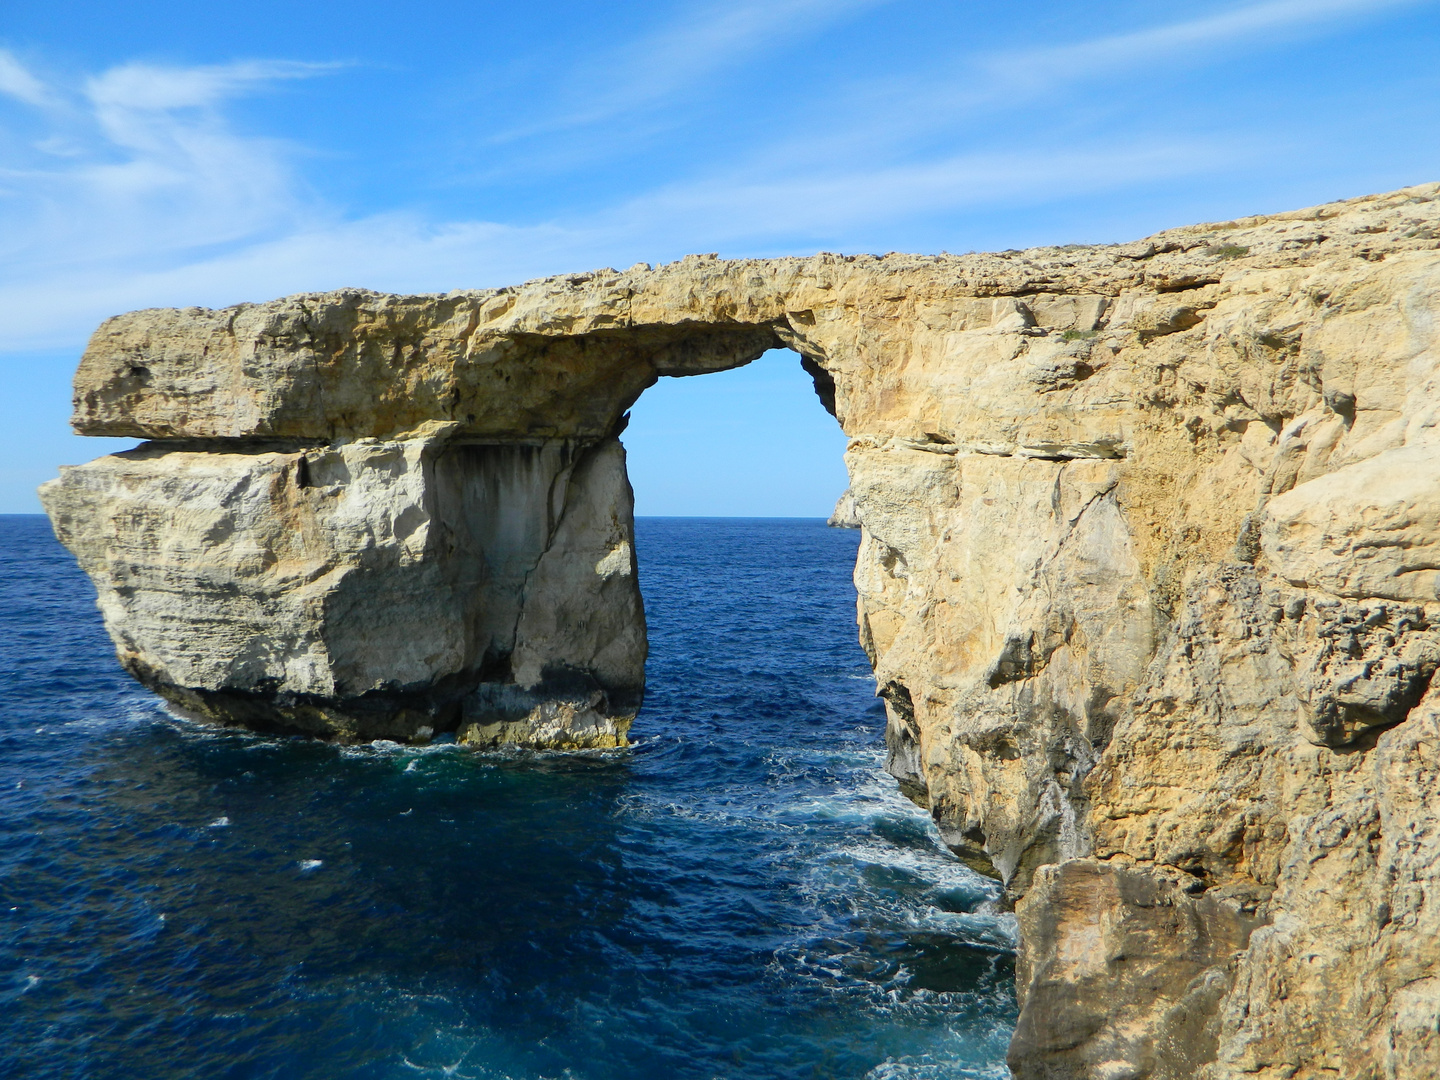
[743, 894]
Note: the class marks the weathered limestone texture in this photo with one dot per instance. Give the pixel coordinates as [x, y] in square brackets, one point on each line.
[1149, 575]
[371, 588]
[845, 515]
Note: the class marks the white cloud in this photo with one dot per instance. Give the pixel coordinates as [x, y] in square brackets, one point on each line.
[683, 55]
[139, 167]
[140, 193]
[405, 253]
[716, 37]
[397, 252]
[1253, 23]
[883, 115]
[139, 88]
[17, 82]
[752, 205]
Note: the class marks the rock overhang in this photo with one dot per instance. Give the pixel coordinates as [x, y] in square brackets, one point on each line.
[567, 354]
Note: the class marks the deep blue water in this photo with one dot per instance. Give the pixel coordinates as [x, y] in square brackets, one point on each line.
[742, 894]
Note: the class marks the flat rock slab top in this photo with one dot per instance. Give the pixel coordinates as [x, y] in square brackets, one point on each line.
[564, 356]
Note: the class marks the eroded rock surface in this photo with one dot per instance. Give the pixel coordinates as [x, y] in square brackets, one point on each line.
[371, 588]
[1149, 575]
[845, 516]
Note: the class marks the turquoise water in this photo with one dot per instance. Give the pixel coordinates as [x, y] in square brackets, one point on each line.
[741, 894]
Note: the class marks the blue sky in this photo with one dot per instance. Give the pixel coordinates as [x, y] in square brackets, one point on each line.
[160, 154]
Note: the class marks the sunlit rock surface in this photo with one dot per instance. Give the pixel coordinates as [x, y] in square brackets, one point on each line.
[1148, 576]
[372, 588]
[845, 516]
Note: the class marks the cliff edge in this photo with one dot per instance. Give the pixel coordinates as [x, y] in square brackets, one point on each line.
[1149, 575]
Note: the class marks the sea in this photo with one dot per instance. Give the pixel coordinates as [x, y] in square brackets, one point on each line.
[743, 893]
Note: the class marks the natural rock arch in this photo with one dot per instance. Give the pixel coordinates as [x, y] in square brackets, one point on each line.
[1148, 576]
[405, 524]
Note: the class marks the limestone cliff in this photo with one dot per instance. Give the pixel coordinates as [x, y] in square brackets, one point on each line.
[845, 516]
[1149, 575]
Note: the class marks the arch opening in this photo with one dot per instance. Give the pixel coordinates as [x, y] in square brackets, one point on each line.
[744, 442]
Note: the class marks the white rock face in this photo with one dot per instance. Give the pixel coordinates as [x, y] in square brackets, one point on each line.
[1148, 576]
[370, 589]
[844, 515]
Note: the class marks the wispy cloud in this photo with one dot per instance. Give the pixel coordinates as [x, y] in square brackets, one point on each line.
[715, 37]
[857, 120]
[139, 191]
[407, 253]
[748, 207]
[139, 88]
[140, 164]
[1239, 26]
[884, 114]
[17, 82]
[687, 53]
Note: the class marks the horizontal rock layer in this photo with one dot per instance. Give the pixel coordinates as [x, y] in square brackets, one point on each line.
[1148, 576]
